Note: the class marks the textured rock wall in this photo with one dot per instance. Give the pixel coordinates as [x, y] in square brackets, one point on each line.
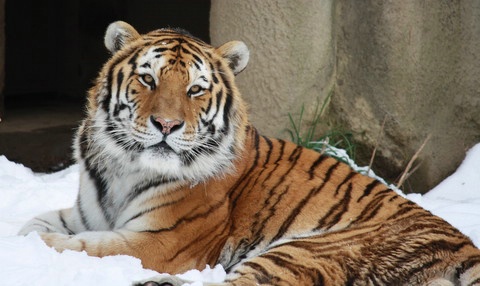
[291, 55]
[415, 63]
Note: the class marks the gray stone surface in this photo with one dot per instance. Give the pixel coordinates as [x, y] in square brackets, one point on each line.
[291, 55]
[415, 63]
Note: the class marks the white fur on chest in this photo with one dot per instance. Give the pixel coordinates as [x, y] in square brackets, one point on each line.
[127, 190]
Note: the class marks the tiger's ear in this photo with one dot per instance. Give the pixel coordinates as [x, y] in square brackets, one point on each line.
[236, 53]
[119, 34]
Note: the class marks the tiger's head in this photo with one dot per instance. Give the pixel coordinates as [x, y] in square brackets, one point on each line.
[167, 103]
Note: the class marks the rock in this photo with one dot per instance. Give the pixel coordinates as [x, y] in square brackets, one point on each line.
[411, 63]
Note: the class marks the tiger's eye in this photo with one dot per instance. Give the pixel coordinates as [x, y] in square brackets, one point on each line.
[194, 89]
[148, 79]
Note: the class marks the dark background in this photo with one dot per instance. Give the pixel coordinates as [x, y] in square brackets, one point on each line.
[54, 50]
[56, 46]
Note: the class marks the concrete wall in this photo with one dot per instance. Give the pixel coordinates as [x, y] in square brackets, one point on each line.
[415, 63]
[291, 55]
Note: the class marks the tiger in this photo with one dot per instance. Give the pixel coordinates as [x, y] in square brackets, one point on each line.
[173, 172]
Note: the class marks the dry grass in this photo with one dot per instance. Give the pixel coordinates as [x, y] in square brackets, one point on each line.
[409, 169]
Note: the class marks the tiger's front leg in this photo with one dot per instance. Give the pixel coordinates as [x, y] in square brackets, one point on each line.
[63, 230]
[154, 250]
[163, 250]
[60, 221]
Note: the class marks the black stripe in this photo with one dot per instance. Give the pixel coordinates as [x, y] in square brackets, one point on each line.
[282, 150]
[256, 140]
[369, 211]
[44, 222]
[129, 100]
[402, 210]
[224, 78]
[293, 158]
[262, 276]
[215, 78]
[197, 65]
[101, 188]
[185, 50]
[160, 50]
[105, 104]
[135, 50]
[200, 239]
[348, 178]
[298, 208]
[295, 155]
[208, 106]
[198, 50]
[64, 223]
[426, 250]
[145, 65]
[186, 219]
[269, 151]
[282, 262]
[336, 212]
[315, 164]
[368, 189]
[226, 112]
[106, 101]
[133, 62]
[120, 137]
[83, 217]
[218, 97]
[316, 277]
[209, 147]
[149, 210]
[144, 186]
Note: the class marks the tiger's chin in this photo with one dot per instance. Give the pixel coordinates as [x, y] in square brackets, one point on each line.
[160, 157]
[168, 164]
[162, 149]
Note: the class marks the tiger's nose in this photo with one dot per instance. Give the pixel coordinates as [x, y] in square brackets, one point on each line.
[166, 126]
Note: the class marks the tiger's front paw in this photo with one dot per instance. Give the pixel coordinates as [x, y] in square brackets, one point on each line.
[161, 281]
[61, 241]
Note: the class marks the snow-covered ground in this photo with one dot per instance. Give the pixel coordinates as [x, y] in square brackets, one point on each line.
[28, 261]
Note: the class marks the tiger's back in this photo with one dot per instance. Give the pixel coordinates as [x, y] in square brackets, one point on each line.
[173, 173]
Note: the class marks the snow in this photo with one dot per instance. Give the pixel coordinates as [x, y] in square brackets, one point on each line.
[26, 260]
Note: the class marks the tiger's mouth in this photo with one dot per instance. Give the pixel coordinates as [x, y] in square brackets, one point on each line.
[162, 147]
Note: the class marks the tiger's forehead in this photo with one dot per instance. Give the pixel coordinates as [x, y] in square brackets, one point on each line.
[173, 53]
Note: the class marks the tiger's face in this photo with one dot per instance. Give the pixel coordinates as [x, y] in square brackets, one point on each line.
[168, 102]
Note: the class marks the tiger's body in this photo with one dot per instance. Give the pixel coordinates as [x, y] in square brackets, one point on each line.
[173, 173]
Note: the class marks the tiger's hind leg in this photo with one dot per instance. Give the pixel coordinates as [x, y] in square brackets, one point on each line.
[276, 267]
[369, 255]
[379, 254]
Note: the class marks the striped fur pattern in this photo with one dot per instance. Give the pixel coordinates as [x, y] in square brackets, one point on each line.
[173, 173]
